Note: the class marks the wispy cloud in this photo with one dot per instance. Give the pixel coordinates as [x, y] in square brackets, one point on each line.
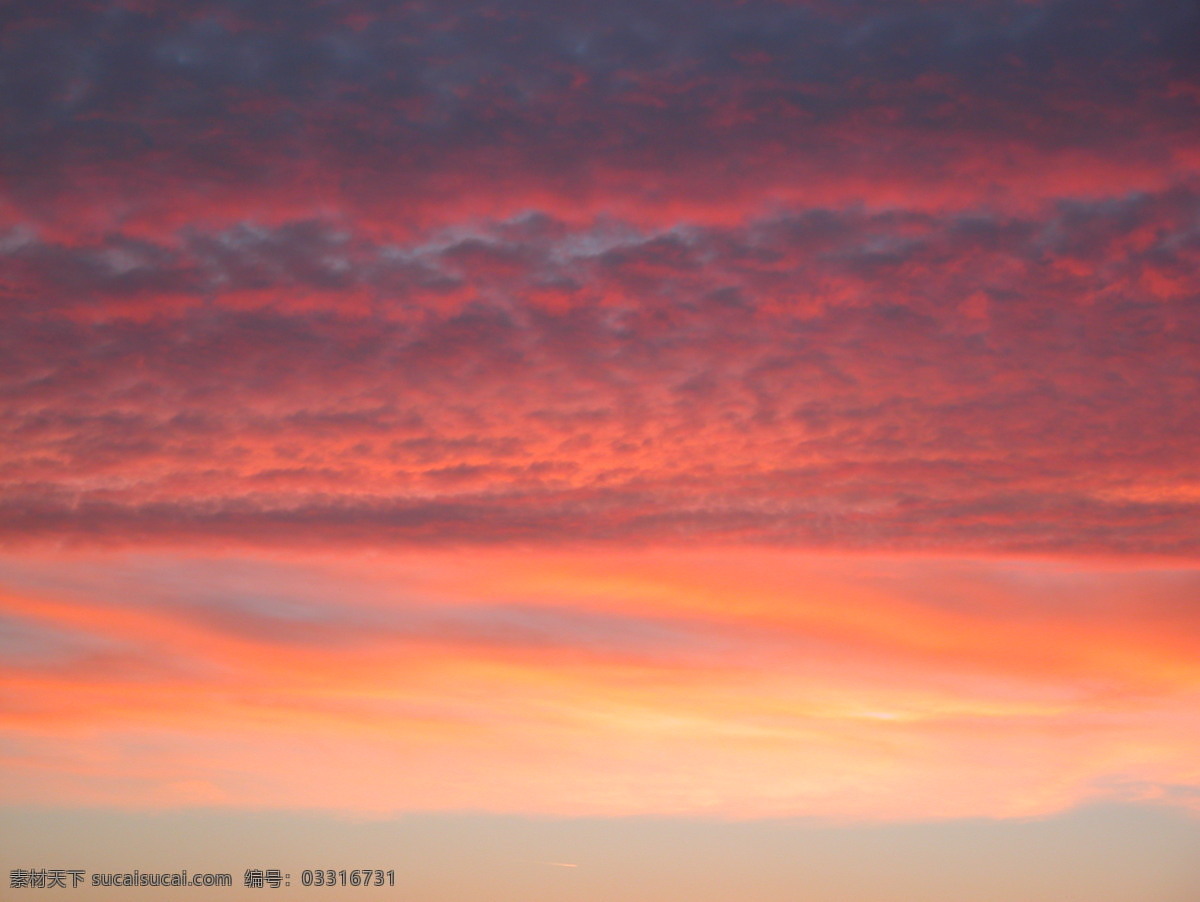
[611, 684]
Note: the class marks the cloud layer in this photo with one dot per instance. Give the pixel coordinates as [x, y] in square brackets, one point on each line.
[846, 378]
[737, 684]
[835, 275]
[489, 298]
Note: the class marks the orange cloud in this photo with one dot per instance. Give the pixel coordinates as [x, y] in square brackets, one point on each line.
[734, 683]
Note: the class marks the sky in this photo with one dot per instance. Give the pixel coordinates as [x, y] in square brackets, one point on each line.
[737, 448]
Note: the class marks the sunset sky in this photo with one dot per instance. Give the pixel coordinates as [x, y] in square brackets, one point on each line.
[739, 449]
